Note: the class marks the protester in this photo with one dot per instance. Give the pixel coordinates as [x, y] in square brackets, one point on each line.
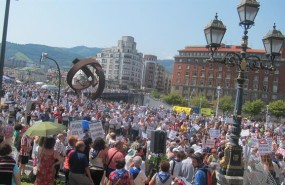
[79, 173]
[97, 160]
[200, 176]
[120, 175]
[9, 171]
[25, 150]
[46, 168]
[187, 169]
[163, 177]
[69, 149]
[137, 174]
[112, 155]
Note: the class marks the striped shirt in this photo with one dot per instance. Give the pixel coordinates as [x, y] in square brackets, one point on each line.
[25, 146]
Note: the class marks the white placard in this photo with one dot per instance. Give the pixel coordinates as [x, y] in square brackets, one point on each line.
[172, 134]
[144, 135]
[214, 133]
[244, 133]
[148, 131]
[3, 100]
[254, 142]
[96, 130]
[263, 148]
[269, 141]
[196, 127]
[76, 128]
[209, 143]
[278, 139]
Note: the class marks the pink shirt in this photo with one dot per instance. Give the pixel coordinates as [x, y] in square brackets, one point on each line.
[118, 155]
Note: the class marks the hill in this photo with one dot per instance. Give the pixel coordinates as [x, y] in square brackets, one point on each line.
[168, 64]
[32, 53]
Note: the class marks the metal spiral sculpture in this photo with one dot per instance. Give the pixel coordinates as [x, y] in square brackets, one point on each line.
[86, 74]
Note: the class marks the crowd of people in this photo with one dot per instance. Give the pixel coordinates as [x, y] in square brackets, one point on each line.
[195, 144]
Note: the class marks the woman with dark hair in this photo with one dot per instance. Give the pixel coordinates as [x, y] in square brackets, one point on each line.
[46, 167]
[9, 171]
[120, 176]
[97, 159]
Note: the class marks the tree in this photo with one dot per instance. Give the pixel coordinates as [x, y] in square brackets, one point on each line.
[253, 108]
[175, 99]
[226, 103]
[277, 108]
[155, 94]
[200, 99]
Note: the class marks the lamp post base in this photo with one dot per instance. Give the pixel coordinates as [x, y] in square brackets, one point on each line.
[229, 180]
[232, 163]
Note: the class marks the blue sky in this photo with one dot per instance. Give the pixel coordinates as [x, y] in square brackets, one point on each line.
[160, 27]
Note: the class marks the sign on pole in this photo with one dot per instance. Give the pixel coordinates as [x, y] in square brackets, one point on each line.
[96, 130]
[214, 133]
[244, 133]
[76, 128]
[263, 147]
[172, 134]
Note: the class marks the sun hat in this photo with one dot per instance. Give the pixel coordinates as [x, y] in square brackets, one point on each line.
[131, 152]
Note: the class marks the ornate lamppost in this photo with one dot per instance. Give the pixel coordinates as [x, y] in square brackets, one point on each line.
[45, 56]
[218, 99]
[232, 164]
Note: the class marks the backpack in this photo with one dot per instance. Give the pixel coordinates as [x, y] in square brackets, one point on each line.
[210, 176]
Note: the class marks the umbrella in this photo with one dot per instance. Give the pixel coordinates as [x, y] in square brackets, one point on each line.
[46, 128]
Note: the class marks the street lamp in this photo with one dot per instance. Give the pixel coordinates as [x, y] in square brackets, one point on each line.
[232, 164]
[218, 93]
[45, 56]
[3, 46]
[266, 119]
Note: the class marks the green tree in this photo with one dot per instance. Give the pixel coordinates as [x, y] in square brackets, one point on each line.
[226, 103]
[155, 94]
[253, 108]
[175, 99]
[277, 108]
[200, 99]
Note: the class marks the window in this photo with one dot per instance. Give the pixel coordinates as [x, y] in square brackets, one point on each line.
[195, 66]
[219, 75]
[220, 68]
[228, 84]
[211, 66]
[210, 75]
[275, 88]
[186, 81]
[210, 83]
[255, 78]
[194, 80]
[186, 73]
[203, 67]
[189, 59]
[179, 67]
[180, 60]
[255, 86]
[228, 76]
[276, 72]
[275, 79]
[178, 73]
[188, 67]
[202, 82]
[194, 73]
[264, 88]
[202, 74]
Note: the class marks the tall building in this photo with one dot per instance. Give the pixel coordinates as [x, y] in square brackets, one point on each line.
[122, 64]
[192, 75]
[155, 75]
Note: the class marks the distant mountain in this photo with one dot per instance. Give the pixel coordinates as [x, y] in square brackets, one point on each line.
[168, 64]
[32, 53]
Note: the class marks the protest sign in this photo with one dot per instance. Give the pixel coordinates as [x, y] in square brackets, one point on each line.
[148, 131]
[263, 147]
[281, 151]
[209, 143]
[214, 133]
[96, 130]
[196, 127]
[254, 142]
[172, 134]
[144, 135]
[278, 138]
[244, 133]
[76, 128]
[269, 141]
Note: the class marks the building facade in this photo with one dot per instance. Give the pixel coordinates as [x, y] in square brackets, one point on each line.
[192, 75]
[155, 76]
[122, 65]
